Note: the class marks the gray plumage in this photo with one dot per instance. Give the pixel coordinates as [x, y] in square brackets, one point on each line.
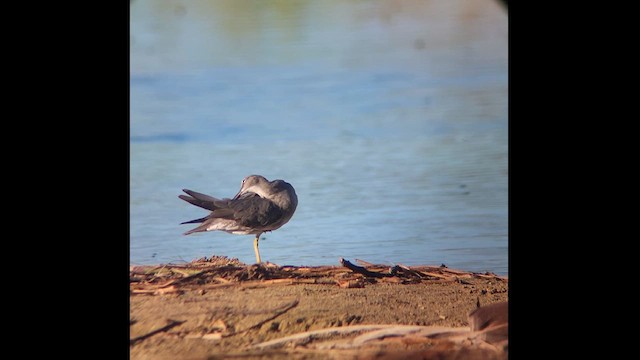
[259, 206]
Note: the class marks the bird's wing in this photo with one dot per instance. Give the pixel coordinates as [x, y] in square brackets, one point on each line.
[253, 211]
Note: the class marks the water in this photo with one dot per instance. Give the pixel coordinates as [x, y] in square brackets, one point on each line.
[388, 118]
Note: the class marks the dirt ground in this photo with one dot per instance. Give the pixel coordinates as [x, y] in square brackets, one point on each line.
[219, 308]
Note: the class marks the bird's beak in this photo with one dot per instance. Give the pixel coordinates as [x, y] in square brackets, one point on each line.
[237, 195]
[242, 191]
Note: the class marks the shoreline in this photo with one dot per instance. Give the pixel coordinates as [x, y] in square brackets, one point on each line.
[220, 307]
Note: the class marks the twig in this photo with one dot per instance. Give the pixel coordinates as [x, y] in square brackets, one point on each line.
[156, 291]
[184, 279]
[361, 270]
[402, 330]
[307, 335]
[278, 313]
[142, 269]
[164, 328]
[462, 281]
[408, 270]
[453, 271]
[485, 276]
[310, 335]
[156, 271]
[285, 281]
[365, 263]
[436, 275]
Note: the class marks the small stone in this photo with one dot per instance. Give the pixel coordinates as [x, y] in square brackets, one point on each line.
[274, 326]
[213, 336]
[219, 325]
[442, 317]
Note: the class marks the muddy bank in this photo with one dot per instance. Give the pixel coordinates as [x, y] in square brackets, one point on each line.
[221, 308]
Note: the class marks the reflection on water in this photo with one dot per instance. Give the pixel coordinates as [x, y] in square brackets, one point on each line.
[388, 117]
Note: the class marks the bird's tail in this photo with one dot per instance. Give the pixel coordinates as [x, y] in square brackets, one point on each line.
[200, 228]
[195, 221]
[201, 200]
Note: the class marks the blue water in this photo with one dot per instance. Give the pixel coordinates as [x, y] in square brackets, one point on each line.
[388, 118]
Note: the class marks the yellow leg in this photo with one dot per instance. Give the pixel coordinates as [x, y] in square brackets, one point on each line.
[255, 247]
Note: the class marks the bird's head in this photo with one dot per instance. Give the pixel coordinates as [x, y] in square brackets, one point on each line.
[255, 184]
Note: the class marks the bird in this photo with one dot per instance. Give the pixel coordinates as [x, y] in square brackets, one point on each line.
[260, 206]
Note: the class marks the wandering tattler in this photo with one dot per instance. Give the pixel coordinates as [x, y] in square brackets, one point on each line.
[260, 205]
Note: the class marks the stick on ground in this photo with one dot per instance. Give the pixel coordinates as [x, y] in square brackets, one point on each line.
[361, 270]
[156, 331]
[278, 313]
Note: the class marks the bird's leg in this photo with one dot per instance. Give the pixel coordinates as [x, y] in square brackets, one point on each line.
[255, 247]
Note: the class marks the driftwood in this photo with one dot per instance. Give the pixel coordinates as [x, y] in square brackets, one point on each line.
[489, 329]
[364, 263]
[488, 326]
[309, 335]
[220, 272]
[435, 275]
[157, 291]
[405, 269]
[371, 333]
[361, 270]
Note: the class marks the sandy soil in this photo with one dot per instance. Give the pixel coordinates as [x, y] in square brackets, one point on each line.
[219, 308]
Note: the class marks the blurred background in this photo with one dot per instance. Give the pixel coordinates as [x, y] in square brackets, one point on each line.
[388, 117]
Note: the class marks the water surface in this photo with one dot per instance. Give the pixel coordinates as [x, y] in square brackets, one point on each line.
[388, 117]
